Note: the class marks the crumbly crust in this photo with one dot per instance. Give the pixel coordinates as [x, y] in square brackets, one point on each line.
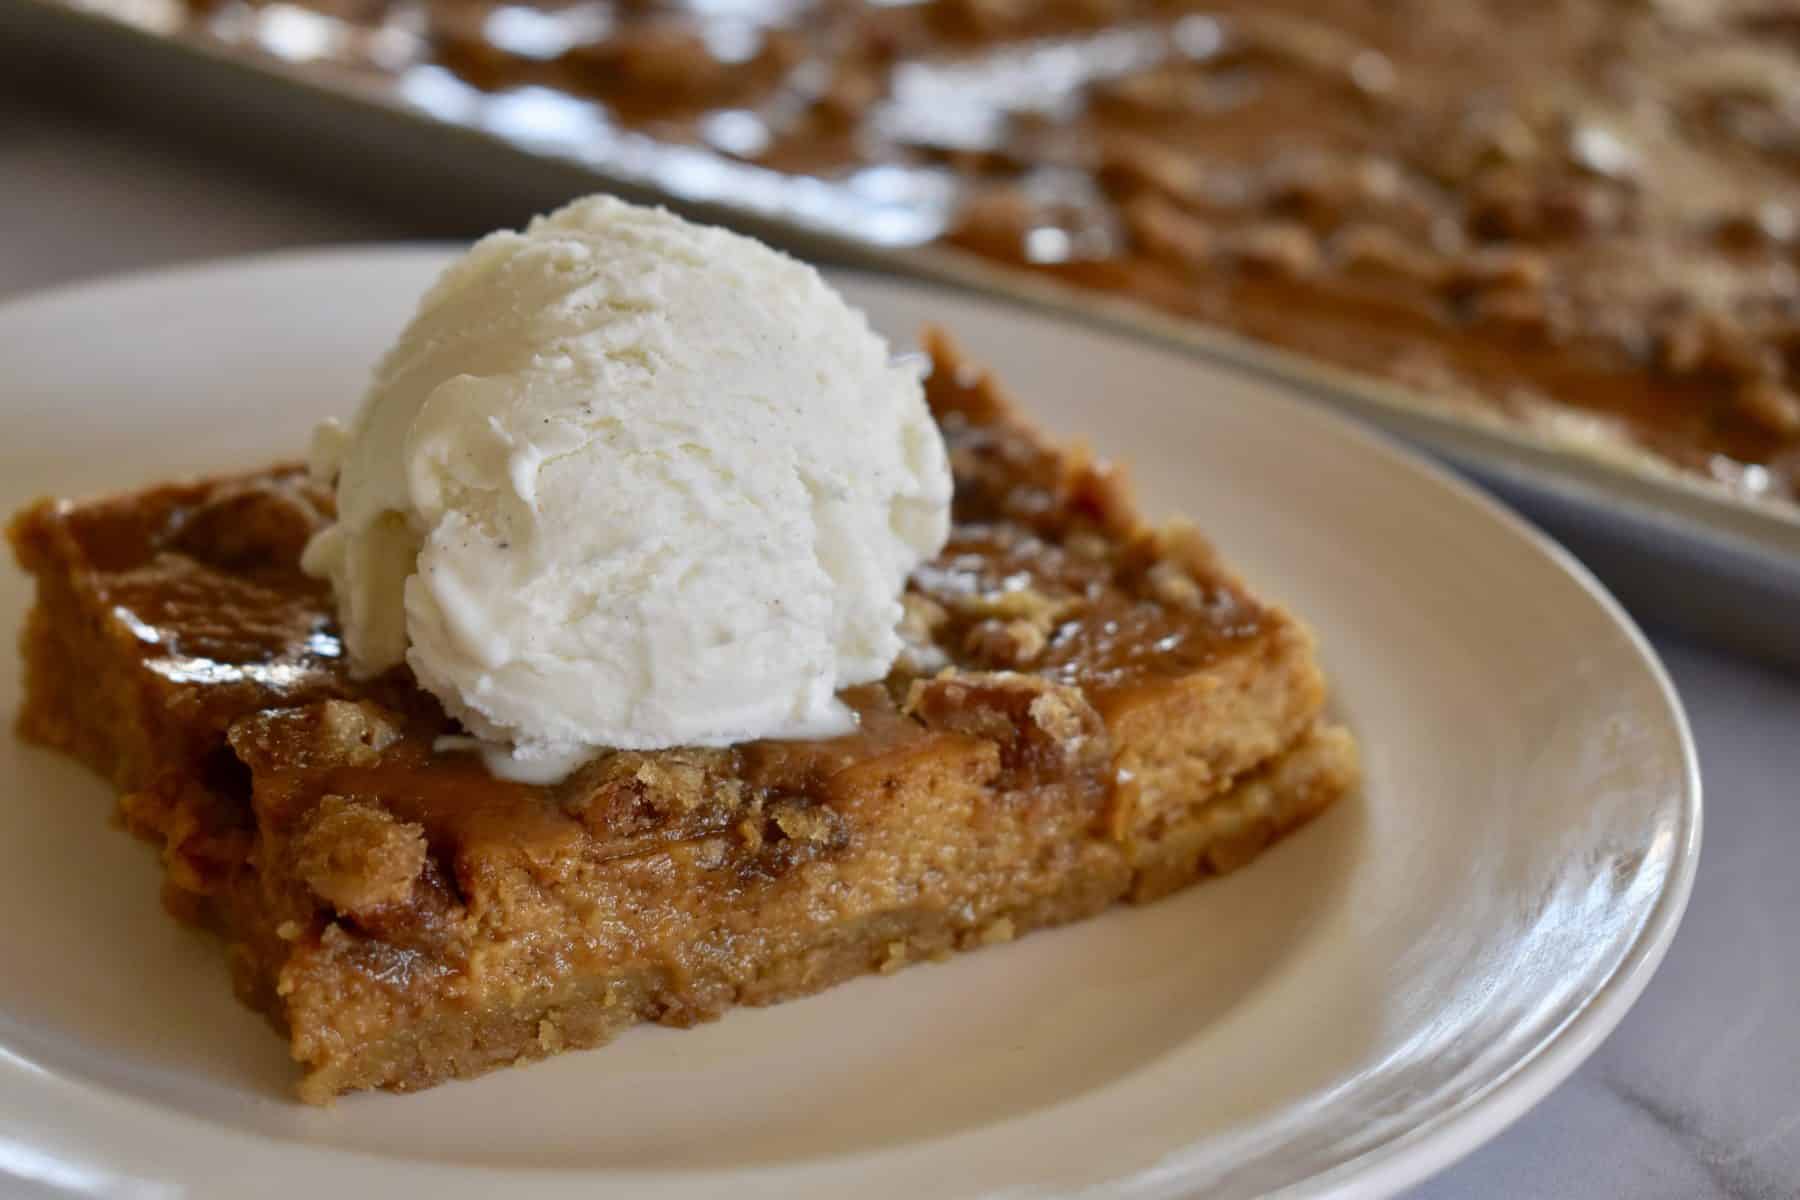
[1088, 711]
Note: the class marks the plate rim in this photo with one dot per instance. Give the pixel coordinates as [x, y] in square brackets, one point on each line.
[1405, 1159]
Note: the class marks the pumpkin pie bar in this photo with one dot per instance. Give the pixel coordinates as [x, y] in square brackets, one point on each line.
[1088, 711]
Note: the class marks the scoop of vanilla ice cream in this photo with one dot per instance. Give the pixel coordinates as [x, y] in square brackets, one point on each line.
[627, 481]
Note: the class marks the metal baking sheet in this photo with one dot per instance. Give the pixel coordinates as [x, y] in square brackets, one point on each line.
[1680, 550]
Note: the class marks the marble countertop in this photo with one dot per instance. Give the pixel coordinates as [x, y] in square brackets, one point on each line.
[1696, 1095]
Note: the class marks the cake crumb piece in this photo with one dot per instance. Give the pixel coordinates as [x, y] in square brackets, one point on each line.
[354, 734]
[1173, 586]
[1038, 725]
[1011, 644]
[804, 822]
[1053, 713]
[357, 856]
[678, 786]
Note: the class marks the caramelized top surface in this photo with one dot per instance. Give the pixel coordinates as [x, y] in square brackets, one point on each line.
[1582, 213]
[205, 580]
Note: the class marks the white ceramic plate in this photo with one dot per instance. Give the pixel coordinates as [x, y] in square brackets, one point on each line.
[1373, 999]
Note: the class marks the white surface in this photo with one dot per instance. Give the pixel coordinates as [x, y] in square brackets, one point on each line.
[627, 481]
[1369, 1002]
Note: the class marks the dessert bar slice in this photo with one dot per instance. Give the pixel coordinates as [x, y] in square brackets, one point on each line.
[1087, 711]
